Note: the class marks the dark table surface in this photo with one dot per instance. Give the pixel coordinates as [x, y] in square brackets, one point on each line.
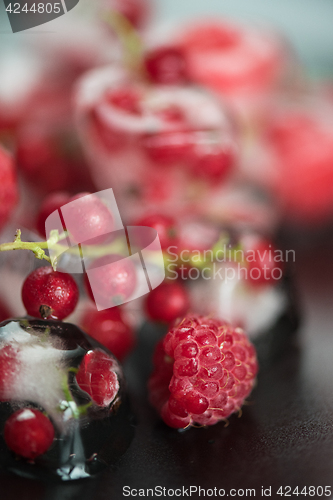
[284, 437]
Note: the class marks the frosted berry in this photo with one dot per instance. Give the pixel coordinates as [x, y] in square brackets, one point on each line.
[111, 280]
[87, 217]
[167, 302]
[51, 203]
[97, 376]
[49, 294]
[9, 365]
[166, 65]
[28, 433]
[165, 226]
[109, 329]
[203, 371]
[8, 187]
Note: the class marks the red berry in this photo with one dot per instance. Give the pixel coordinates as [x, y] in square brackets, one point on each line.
[125, 99]
[212, 162]
[51, 203]
[262, 266]
[203, 371]
[165, 226]
[167, 302]
[28, 433]
[49, 294]
[230, 59]
[111, 280]
[8, 187]
[97, 376]
[87, 217]
[166, 65]
[110, 330]
[168, 148]
[8, 370]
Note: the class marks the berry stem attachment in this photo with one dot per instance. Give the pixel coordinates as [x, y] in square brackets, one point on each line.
[38, 248]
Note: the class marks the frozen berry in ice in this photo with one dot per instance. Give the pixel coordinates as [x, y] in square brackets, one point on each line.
[167, 302]
[28, 433]
[203, 371]
[98, 377]
[109, 329]
[49, 294]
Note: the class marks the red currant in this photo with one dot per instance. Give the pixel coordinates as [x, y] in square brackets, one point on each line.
[86, 218]
[165, 226]
[110, 330]
[167, 302]
[166, 65]
[125, 99]
[49, 294]
[98, 378]
[112, 280]
[29, 433]
[52, 203]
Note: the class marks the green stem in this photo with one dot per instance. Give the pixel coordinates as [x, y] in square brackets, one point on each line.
[129, 38]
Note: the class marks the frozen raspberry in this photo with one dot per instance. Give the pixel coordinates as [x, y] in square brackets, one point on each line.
[166, 65]
[97, 376]
[28, 433]
[49, 294]
[8, 370]
[203, 371]
[167, 302]
[8, 187]
[109, 329]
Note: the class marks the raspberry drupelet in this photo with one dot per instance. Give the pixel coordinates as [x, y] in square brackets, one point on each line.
[203, 371]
